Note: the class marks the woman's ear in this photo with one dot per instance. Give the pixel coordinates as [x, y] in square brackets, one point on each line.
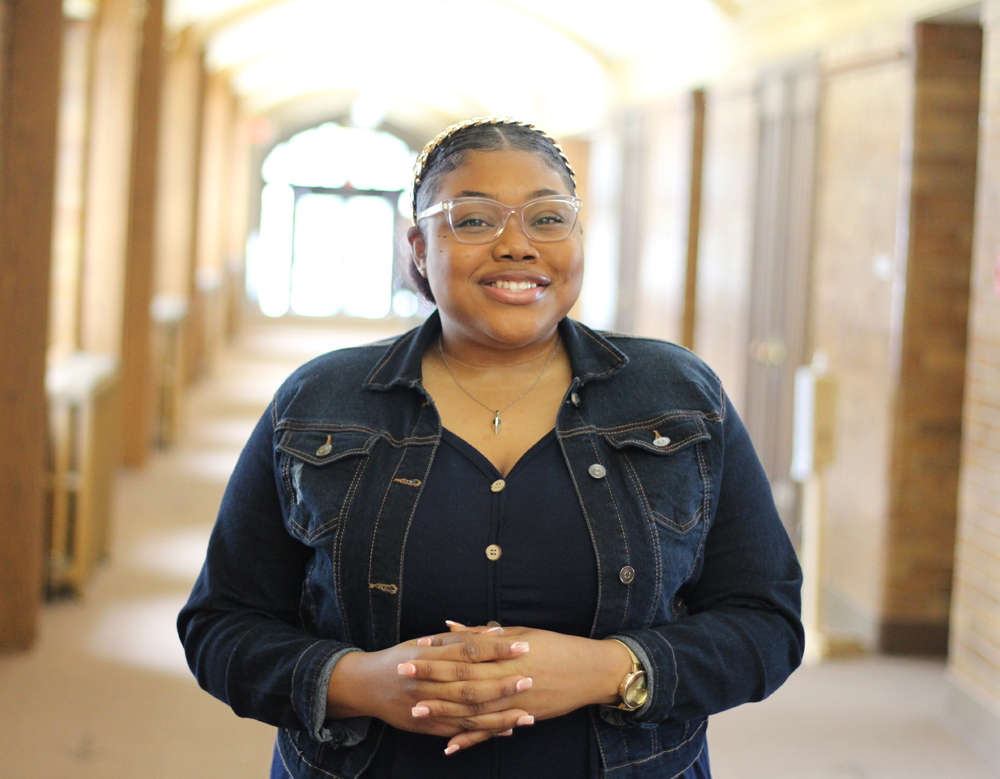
[418, 248]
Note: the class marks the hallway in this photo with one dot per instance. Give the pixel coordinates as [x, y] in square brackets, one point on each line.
[106, 693]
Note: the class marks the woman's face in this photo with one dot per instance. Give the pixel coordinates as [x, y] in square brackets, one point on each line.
[467, 279]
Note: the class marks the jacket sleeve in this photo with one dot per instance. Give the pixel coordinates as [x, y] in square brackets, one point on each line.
[742, 636]
[241, 629]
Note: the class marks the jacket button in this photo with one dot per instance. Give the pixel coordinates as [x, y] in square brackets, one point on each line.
[492, 624]
[493, 552]
[627, 574]
[574, 399]
[324, 450]
[661, 441]
[597, 471]
[498, 485]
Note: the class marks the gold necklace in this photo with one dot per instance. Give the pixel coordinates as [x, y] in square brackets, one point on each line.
[497, 424]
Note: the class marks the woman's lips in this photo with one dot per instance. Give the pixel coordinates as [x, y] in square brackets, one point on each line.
[517, 292]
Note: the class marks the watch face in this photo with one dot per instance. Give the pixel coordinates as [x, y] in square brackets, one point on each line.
[635, 690]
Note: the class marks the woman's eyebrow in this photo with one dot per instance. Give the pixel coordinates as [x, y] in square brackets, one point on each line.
[536, 193]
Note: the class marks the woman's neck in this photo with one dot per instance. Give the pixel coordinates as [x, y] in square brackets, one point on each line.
[474, 353]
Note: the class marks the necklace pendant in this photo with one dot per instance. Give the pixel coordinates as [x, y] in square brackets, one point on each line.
[496, 424]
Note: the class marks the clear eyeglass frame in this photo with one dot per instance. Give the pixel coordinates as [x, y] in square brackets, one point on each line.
[447, 207]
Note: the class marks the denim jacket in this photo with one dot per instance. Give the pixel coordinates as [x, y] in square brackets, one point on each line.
[305, 563]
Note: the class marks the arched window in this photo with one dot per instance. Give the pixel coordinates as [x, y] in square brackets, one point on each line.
[334, 210]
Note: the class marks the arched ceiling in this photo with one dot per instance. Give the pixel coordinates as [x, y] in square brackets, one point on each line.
[423, 63]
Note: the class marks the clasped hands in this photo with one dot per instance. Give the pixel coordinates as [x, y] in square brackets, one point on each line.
[474, 683]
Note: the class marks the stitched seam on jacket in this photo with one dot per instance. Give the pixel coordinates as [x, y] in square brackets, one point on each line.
[664, 752]
[378, 520]
[590, 529]
[621, 525]
[403, 339]
[634, 478]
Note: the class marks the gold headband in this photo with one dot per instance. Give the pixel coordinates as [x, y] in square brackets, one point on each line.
[418, 166]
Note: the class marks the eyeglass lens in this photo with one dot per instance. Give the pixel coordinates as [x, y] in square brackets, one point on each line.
[479, 221]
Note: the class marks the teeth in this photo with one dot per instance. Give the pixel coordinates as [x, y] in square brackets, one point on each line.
[515, 285]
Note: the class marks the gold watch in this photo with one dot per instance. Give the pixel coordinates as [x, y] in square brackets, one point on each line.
[632, 689]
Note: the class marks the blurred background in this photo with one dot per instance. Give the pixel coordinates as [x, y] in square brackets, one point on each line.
[196, 196]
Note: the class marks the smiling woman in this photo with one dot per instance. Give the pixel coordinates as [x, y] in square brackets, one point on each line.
[501, 523]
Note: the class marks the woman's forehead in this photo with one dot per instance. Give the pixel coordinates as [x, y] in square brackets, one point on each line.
[505, 172]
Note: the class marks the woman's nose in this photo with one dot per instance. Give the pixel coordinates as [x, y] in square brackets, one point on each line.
[513, 242]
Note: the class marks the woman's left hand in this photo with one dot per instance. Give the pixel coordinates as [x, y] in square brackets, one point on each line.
[567, 673]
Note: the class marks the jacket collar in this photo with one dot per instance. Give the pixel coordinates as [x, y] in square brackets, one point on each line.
[592, 355]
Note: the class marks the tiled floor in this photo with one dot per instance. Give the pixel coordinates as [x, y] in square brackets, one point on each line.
[106, 693]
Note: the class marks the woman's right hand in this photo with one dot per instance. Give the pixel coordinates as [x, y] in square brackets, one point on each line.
[390, 683]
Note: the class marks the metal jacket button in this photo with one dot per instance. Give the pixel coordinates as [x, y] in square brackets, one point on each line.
[498, 485]
[597, 470]
[574, 399]
[493, 552]
[661, 441]
[326, 448]
[627, 574]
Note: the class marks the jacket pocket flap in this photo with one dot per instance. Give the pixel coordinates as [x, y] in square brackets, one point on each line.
[662, 436]
[322, 447]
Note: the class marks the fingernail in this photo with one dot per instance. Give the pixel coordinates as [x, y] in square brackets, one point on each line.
[524, 684]
[420, 711]
[498, 630]
[507, 733]
[425, 641]
[406, 669]
[519, 647]
[525, 719]
[454, 624]
[451, 750]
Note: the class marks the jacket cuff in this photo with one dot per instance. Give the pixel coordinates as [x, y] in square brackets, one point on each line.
[335, 732]
[621, 717]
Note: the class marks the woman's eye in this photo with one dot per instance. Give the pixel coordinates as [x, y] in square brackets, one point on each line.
[471, 222]
[547, 219]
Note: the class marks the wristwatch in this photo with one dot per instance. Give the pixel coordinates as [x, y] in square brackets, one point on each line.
[632, 690]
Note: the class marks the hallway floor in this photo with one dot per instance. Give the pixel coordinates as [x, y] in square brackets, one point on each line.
[106, 693]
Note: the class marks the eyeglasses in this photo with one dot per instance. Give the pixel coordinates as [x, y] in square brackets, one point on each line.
[481, 220]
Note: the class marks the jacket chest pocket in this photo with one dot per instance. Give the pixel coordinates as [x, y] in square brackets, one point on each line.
[666, 469]
[320, 469]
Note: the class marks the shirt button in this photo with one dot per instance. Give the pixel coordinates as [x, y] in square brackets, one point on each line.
[627, 574]
[498, 485]
[597, 471]
[493, 552]
[661, 441]
[574, 399]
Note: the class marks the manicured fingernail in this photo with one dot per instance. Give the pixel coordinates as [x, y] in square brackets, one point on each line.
[498, 630]
[524, 684]
[406, 669]
[451, 750]
[525, 719]
[454, 624]
[425, 641]
[507, 733]
[519, 647]
[420, 711]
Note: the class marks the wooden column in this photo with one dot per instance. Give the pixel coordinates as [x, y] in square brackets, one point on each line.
[137, 363]
[31, 50]
[108, 175]
[927, 414]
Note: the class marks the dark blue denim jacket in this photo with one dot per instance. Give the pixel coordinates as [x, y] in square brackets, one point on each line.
[305, 563]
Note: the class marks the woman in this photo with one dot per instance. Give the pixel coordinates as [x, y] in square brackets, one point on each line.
[588, 504]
